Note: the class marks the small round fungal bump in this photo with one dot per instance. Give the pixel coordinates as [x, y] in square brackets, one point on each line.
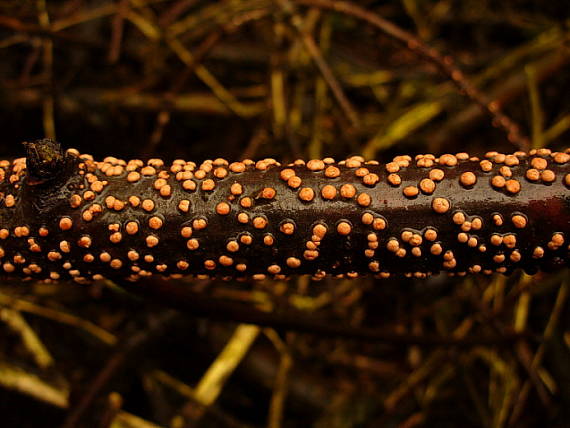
[186, 232]
[441, 205]
[242, 218]
[286, 174]
[315, 165]
[232, 246]
[486, 165]
[497, 219]
[236, 189]
[477, 223]
[328, 192]
[499, 258]
[54, 256]
[367, 218]
[268, 193]
[468, 179]
[448, 160]
[75, 201]
[189, 185]
[459, 217]
[293, 262]
[210, 264]
[538, 252]
[515, 256]
[155, 222]
[274, 269]
[430, 234]
[416, 251]
[223, 208]
[392, 167]
[147, 205]
[208, 185]
[513, 186]
[65, 246]
[184, 205]
[394, 180]
[392, 245]
[344, 228]
[182, 264]
[65, 223]
[306, 194]
[410, 191]
[287, 227]
[332, 172]
[561, 158]
[192, 244]
[259, 222]
[319, 230]
[134, 201]
[347, 191]
[370, 179]
[379, 223]
[246, 202]
[152, 241]
[225, 261]
[364, 199]
[220, 172]
[510, 240]
[519, 221]
[539, 163]
[133, 176]
[547, 176]
[498, 181]
[427, 186]
[294, 182]
[246, 239]
[199, 223]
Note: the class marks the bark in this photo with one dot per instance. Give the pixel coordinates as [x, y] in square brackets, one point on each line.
[66, 216]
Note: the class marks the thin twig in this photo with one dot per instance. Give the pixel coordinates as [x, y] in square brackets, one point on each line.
[30, 339]
[555, 315]
[317, 56]
[281, 385]
[444, 62]
[58, 316]
[47, 44]
[131, 343]
[117, 32]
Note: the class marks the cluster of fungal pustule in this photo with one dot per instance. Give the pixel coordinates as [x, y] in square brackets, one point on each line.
[412, 216]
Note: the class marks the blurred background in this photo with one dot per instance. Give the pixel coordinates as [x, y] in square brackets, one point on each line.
[289, 79]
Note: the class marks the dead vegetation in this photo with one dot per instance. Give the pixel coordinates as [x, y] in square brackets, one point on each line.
[290, 78]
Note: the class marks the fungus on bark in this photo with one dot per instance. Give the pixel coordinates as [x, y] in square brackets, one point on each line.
[66, 216]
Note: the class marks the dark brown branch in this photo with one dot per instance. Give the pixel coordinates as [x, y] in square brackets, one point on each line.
[416, 217]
